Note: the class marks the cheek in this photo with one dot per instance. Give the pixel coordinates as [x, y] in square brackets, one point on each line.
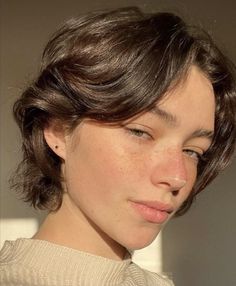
[95, 172]
[116, 163]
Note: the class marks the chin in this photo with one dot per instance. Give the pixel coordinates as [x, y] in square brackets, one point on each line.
[139, 245]
[140, 240]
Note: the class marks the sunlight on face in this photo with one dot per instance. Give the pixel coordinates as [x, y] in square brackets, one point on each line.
[129, 180]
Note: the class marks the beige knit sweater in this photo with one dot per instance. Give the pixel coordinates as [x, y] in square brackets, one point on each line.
[32, 262]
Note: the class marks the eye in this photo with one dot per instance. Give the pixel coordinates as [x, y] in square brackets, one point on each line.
[139, 133]
[197, 156]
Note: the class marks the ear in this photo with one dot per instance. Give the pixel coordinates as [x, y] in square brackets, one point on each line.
[55, 136]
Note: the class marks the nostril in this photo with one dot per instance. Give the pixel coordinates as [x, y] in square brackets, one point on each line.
[175, 193]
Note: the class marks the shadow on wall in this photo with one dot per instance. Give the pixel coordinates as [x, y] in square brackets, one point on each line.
[199, 247]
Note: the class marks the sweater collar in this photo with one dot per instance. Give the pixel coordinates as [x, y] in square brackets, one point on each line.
[78, 266]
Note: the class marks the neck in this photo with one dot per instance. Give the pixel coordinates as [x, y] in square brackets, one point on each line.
[70, 227]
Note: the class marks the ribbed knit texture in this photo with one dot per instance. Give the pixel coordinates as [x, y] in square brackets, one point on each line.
[29, 262]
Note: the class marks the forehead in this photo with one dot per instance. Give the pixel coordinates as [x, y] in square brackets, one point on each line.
[192, 99]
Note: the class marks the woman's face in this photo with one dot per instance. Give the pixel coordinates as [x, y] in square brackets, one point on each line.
[127, 181]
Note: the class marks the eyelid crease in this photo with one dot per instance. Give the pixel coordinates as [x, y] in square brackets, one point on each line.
[132, 130]
[136, 125]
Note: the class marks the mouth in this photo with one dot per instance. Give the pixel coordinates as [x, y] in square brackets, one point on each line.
[152, 211]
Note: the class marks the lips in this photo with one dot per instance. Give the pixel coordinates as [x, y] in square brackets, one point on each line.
[152, 211]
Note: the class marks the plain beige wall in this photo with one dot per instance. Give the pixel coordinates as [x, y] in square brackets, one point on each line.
[199, 248]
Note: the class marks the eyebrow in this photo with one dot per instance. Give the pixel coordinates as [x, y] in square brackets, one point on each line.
[203, 133]
[173, 121]
[166, 116]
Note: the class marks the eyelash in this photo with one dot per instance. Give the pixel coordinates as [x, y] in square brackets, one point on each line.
[139, 133]
[198, 158]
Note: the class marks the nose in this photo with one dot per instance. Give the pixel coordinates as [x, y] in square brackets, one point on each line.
[169, 171]
[173, 183]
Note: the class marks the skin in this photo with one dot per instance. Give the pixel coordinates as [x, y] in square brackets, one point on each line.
[152, 157]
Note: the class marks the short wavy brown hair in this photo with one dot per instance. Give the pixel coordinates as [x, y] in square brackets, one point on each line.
[110, 66]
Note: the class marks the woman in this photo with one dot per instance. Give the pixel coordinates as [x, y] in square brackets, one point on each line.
[131, 116]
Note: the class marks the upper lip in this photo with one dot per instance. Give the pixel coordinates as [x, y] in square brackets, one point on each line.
[157, 205]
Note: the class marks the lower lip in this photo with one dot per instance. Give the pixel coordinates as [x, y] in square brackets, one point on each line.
[150, 214]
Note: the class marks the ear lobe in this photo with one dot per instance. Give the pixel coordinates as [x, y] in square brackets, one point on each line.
[54, 135]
